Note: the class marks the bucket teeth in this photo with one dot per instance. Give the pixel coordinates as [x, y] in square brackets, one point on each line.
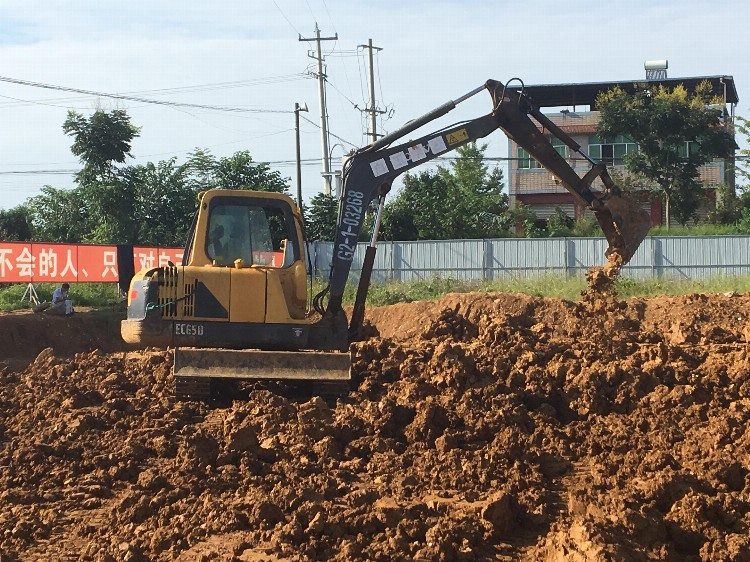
[624, 224]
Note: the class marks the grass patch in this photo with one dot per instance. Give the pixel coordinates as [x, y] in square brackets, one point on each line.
[82, 294]
[544, 286]
[699, 230]
[105, 294]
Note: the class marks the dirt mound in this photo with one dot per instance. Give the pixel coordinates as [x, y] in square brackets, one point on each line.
[483, 427]
[25, 334]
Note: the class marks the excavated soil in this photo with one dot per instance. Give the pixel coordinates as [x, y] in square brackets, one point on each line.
[482, 427]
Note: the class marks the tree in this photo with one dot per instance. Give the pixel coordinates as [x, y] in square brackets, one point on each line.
[15, 224]
[478, 204]
[160, 204]
[743, 126]
[559, 224]
[462, 201]
[99, 141]
[60, 215]
[420, 211]
[320, 218]
[149, 204]
[676, 133]
[238, 171]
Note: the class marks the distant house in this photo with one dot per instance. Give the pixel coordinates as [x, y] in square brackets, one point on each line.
[576, 114]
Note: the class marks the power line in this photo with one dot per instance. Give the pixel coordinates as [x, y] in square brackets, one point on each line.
[329, 132]
[138, 98]
[37, 172]
[304, 160]
[309, 9]
[286, 18]
[342, 94]
[213, 86]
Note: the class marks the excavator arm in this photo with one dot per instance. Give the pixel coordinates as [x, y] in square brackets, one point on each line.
[369, 172]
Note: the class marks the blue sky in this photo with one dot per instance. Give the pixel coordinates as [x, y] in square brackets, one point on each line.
[433, 52]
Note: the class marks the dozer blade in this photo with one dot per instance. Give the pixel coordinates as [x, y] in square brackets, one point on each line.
[625, 225]
[250, 364]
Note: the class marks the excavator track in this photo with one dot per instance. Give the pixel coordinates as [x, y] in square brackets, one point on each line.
[192, 388]
[201, 373]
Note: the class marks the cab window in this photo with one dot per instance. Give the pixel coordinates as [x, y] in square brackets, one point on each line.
[258, 234]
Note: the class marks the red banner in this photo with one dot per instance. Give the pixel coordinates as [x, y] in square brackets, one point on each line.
[26, 262]
[148, 257]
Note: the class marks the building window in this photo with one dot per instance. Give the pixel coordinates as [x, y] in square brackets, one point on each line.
[559, 146]
[687, 149]
[525, 161]
[610, 151]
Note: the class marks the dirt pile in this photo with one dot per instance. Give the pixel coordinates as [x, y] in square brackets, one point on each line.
[24, 334]
[483, 427]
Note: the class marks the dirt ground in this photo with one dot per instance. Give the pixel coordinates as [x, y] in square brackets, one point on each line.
[482, 427]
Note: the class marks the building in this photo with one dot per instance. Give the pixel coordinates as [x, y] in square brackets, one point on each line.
[532, 185]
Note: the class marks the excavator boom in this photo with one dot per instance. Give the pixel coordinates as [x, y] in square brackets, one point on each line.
[369, 173]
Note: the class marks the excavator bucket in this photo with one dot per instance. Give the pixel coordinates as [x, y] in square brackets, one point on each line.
[625, 225]
[195, 369]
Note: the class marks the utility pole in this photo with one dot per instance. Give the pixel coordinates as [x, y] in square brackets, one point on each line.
[372, 109]
[323, 110]
[297, 109]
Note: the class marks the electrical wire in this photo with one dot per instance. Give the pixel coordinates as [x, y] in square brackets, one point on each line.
[377, 64]
[286, 18]
[309, 9]
[316, 161]
[209, 87]
[342, 94]
[329, 132]
[330, 19]
[138, 98]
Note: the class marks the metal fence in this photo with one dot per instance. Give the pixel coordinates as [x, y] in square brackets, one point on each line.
[686, 257]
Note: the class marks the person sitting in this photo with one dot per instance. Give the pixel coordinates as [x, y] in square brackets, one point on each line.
[61, 304]
[218, 248]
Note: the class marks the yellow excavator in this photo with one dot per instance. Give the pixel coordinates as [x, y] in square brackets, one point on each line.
[237, 306]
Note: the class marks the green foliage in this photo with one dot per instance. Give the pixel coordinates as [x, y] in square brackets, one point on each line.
[99, 141]
[82, 294]
[149, 204]
[320, 218]
[463, 201]
[705, 229]
[743, 222]
[60, 215]
[420, 211]
[728, 206]
[521, 216]
[586, 227]
[15, 224]
[743, 127]
[661, 121]
[559, 224]
[163, 203]
[238, 171]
